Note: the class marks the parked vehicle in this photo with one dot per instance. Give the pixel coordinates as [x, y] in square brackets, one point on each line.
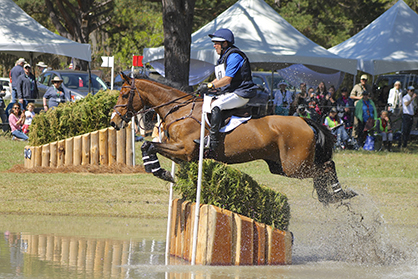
[5, 82]
[77, 82]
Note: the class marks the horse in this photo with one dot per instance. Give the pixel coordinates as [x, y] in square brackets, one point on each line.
[291, 146]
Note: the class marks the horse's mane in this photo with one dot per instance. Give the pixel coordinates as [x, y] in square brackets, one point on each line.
[164, 81]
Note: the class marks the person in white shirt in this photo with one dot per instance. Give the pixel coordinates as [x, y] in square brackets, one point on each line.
[395, 98]
[408, 103]
[282, 99]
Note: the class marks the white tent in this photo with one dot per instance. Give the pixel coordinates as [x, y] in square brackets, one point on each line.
[388, 44]
[23, 36]
[268, 40]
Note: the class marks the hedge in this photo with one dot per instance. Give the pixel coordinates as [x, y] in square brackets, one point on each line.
[71, 119]
[229, 188]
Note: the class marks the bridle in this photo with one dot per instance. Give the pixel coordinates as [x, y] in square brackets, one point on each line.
[131, 112]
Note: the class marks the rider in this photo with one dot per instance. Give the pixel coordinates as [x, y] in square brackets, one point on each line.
[233, 77]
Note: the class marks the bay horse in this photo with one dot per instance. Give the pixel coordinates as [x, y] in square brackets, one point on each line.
[291, 146]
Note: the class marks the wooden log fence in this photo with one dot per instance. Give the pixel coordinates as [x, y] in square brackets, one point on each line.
[103, 147]
[227, 238]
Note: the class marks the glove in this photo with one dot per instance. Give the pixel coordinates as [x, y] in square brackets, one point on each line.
[204, 87]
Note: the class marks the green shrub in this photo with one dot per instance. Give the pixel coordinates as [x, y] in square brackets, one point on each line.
[71, 119]
[228, 188]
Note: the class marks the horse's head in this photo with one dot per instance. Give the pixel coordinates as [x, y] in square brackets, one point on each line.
[128, 104]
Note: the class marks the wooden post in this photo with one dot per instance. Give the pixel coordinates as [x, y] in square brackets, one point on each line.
[121, 147]
[129, 150]
[37, 156]
[103, 156]
[85, 150]
[112, 145]
[69, 144]
[77, 151]
[61, 153]
[45, 155]
[53, 154]
[94, 148]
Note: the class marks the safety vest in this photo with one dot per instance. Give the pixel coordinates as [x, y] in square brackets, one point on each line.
[331, 122]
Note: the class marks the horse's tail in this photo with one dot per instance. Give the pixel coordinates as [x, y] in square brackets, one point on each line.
[324, 141]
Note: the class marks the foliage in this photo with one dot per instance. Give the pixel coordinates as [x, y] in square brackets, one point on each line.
[229, 188]
[72, 119]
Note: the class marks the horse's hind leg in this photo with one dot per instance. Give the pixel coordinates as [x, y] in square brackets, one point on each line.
[328, 177]
[152, 164]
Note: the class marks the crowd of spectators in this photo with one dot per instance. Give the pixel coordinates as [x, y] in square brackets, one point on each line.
[352, 115]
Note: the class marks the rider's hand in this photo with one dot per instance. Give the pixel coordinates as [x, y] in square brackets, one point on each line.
[204, 87]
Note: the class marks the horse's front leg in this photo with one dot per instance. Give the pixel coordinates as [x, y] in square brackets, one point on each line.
[151, 162]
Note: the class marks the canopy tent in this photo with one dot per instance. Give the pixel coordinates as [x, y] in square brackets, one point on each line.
[388, 44]
[23, 36]
[268, 40]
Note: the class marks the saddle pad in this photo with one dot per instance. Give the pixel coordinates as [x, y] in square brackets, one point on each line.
[234, 122]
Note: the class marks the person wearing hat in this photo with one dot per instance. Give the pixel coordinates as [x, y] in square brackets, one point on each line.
[42, 67]
[302, 112]
[336, 125]
[366, 115]
[16, 71]
[282, 99]
[27, 90]
[56, 94]
[361, 87]
[408, 106]
[233, 78]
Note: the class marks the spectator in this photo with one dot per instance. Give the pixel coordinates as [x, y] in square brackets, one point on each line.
[56, 94]
[311, 92]
[366, 115]
[395, 98]
[330, 100]
[408, 113]
[336, 125]
[384, 129]
[16, 71]
[320, 95]
[301, 98]
[361, 87]
[29, 115]
[27, 90]
[42, 67]
[282, 99]
[314, 110]
[345, 107]
[16, 121]
[3, 114]
[302, 112]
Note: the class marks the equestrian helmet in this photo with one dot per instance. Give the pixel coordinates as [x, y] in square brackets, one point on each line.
[222, 35]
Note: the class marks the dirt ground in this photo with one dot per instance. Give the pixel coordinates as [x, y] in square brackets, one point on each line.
[113, 169]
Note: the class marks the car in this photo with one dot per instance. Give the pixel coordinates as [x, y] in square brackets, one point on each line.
[74, 81]
[5, 82]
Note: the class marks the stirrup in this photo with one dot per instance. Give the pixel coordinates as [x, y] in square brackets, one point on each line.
[206, 142]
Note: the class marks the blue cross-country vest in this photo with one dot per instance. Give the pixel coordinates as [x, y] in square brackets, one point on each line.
[242, 84]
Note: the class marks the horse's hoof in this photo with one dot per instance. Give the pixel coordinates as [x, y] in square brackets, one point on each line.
[165, 175]
[345, 194]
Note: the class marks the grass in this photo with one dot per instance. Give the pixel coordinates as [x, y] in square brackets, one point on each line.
[388, 179]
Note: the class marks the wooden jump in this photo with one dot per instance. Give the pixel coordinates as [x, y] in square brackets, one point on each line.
[226, 238]
[103, 147]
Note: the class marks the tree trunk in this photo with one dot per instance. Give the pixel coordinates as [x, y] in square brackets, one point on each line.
[177, 22]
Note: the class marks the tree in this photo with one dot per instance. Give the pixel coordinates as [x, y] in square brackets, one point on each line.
[76, 20]
[178, 23]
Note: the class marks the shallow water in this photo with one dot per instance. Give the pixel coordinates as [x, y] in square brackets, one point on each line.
[347, 241]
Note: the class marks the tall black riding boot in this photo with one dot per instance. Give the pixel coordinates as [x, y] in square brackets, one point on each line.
[215, 126]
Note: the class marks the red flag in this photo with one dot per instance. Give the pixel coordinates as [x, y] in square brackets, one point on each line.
[137, 61]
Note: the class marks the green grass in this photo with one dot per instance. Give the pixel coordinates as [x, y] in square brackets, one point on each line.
[388, 179]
